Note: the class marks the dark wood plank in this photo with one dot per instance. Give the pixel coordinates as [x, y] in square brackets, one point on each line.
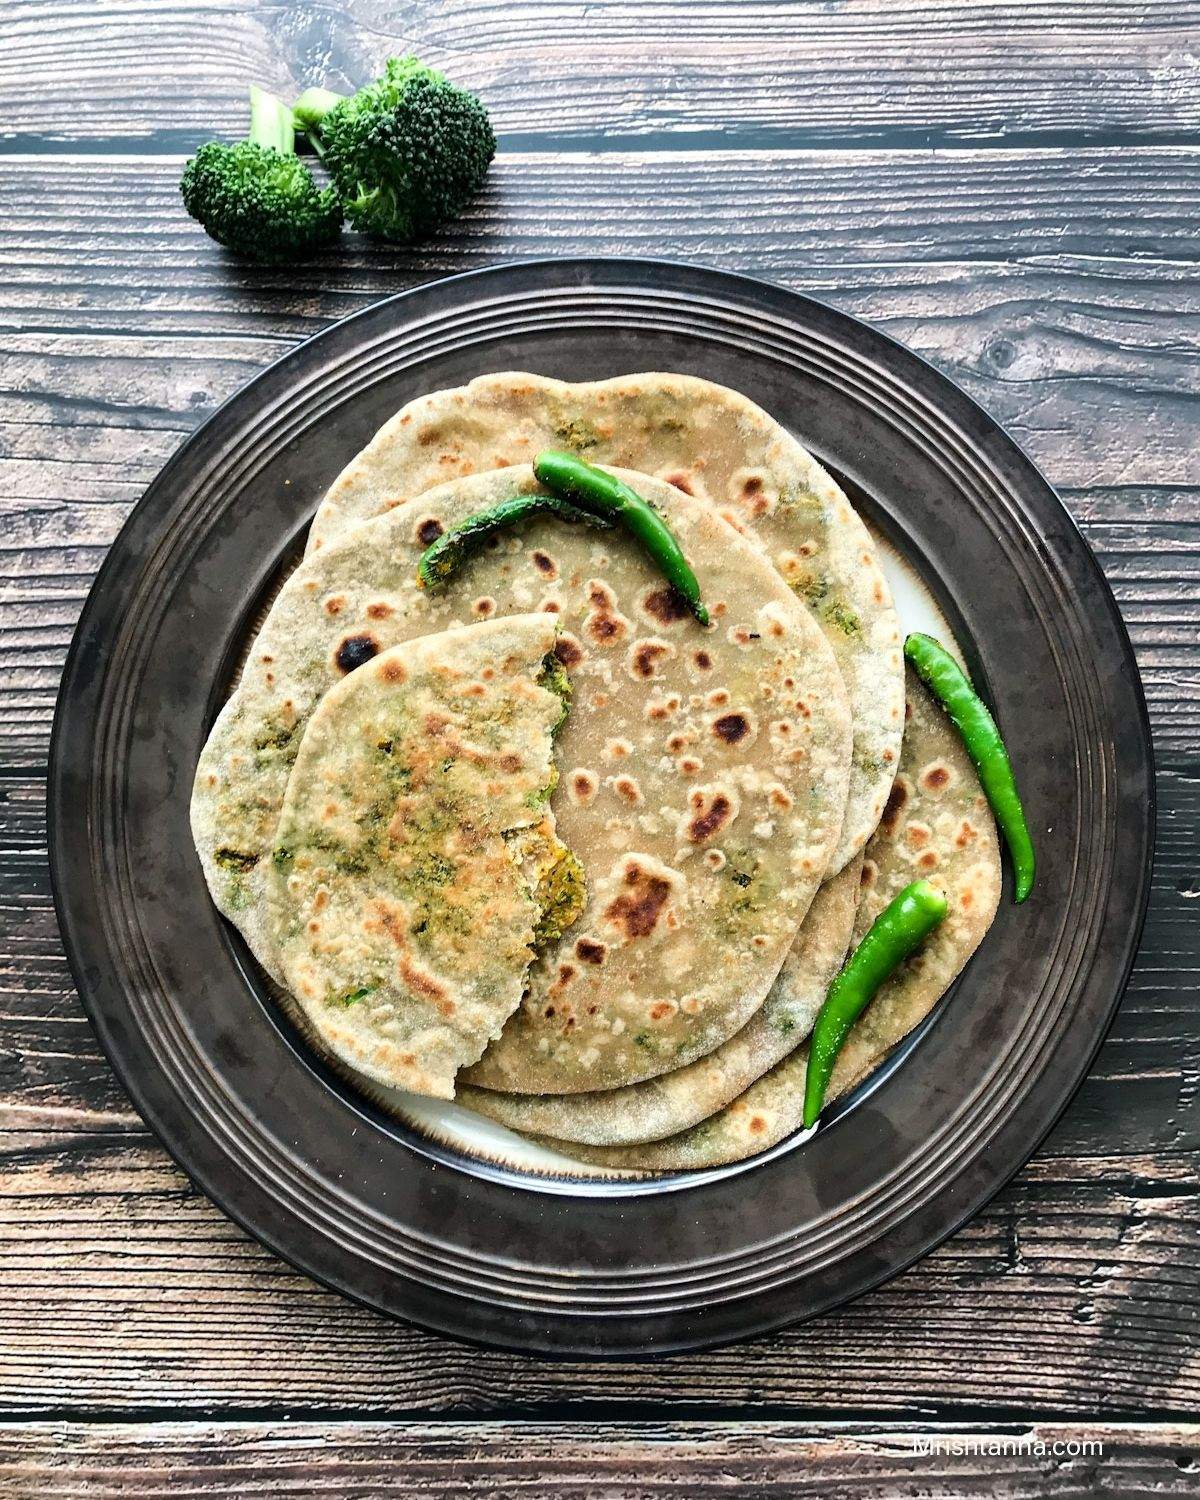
[127, 1295]
[666, 71]
[591, 1461]
[1079, 334]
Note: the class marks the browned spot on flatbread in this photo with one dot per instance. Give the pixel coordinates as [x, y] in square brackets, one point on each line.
[428, 529]
[606, 630]
[354, 650]
[936, 777]
[732, 728]
[666, 605]
[335, 604]
[425, 985]
[894, 808]
[681, 479]
[590, 950]
[646, 657]
[584, 785]
[604, 625]
[750, 496]
[379, 610]
[636, 911]
[544, 563]
[711, 811]
[417, 980]
[568, 651]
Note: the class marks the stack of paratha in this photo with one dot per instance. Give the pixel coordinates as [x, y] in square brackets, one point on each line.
[545, 844]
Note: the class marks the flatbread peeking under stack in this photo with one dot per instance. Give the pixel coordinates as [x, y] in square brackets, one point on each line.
[704, 772]
[672, 1102]
[937, 826]
[716, 445]
[413, 842]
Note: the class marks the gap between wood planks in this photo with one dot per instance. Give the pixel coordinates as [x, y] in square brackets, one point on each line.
[588, 1460]
[668, 142]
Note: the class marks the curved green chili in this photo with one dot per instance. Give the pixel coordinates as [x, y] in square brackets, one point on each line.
[903, 925]
[946, 680]
[604, 494]
[440, 561]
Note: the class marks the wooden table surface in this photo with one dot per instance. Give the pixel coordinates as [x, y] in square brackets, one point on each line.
[1009, 187]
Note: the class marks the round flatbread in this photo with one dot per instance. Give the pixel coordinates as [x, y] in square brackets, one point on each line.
[404, 888]
[938, 826]
[666, 1105]
[714, 444]
[703, 772]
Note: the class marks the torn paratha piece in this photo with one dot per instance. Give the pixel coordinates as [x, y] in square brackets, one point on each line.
[415, 860]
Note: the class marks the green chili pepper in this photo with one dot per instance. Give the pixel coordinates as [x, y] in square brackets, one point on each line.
[604, 494]
[946, 680]
[440, 561]
[903, 925]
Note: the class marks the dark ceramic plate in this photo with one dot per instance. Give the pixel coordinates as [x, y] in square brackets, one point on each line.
[365, 1203]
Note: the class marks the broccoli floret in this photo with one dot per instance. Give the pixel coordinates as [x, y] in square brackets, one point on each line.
[406, 152]
[257, 197]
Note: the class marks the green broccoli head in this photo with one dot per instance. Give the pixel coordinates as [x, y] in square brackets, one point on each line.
[406, 152]
[257, 197]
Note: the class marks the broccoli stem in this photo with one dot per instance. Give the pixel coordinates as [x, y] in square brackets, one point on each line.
[271, 122]
[313, 105]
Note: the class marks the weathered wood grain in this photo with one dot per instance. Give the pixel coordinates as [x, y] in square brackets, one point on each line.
[593, 1461]
[672, 71]
[126, 1294]
[1059, 287]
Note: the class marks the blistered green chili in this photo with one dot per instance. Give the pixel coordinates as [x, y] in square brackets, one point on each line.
[946, 680]
[440, 561]
[604, 494]
[902, 926]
